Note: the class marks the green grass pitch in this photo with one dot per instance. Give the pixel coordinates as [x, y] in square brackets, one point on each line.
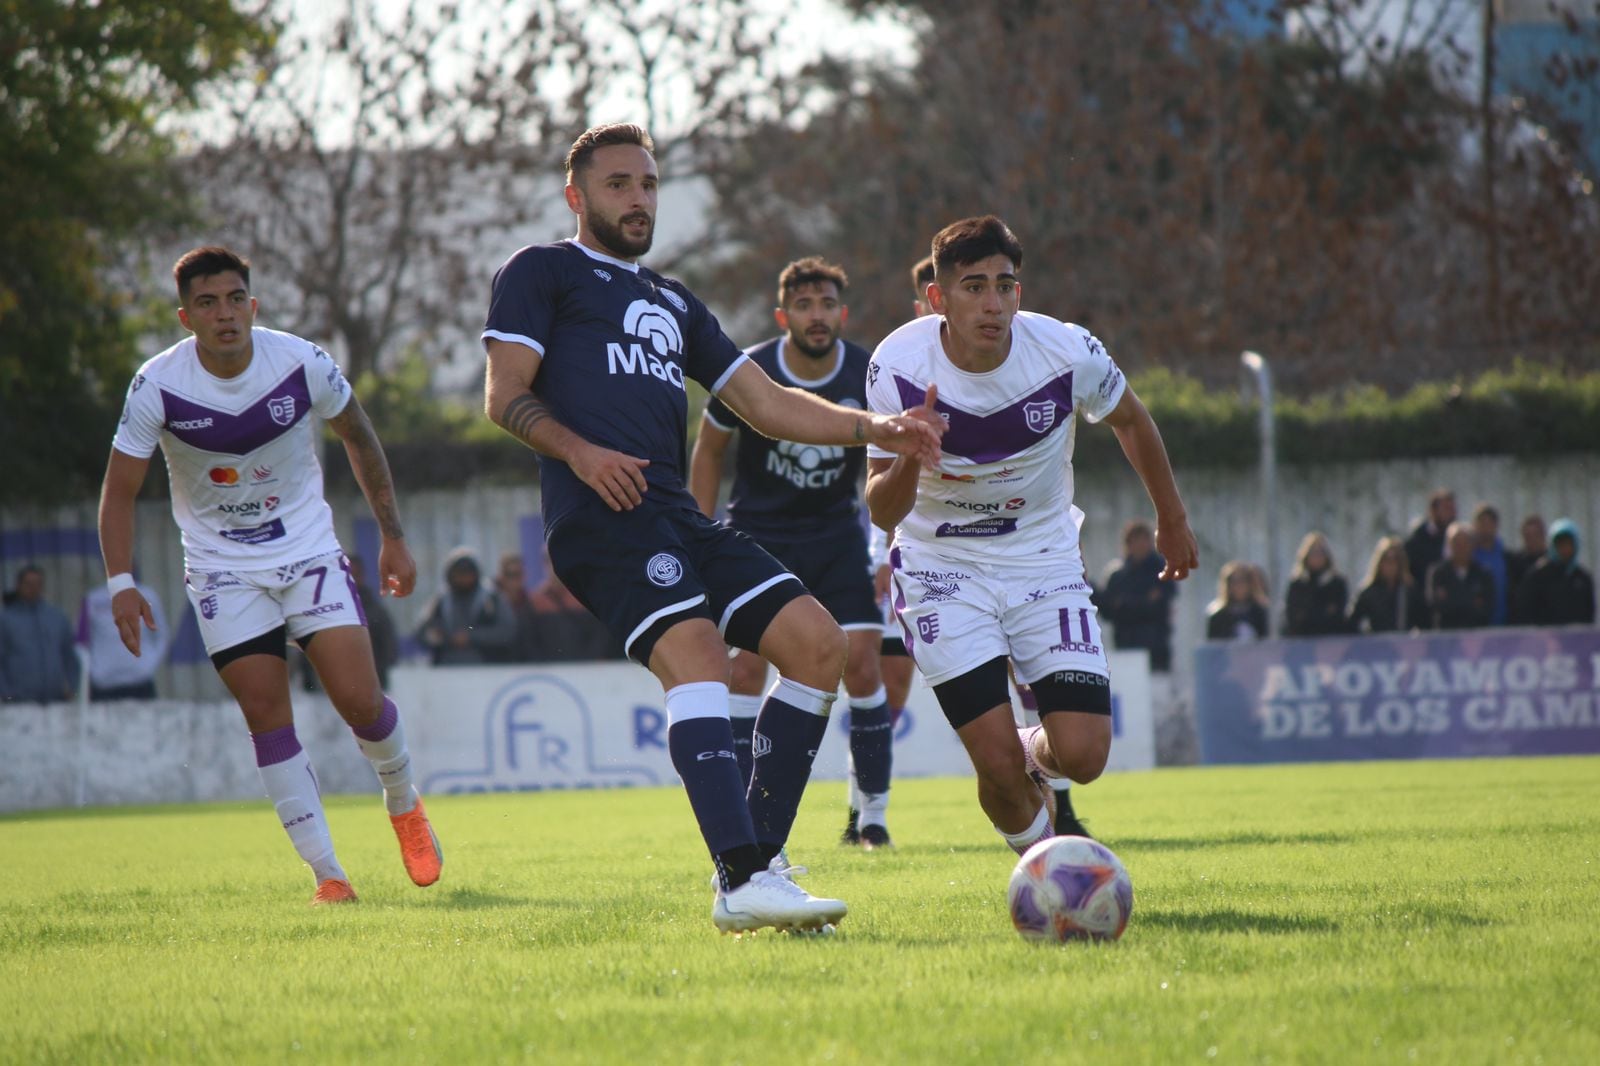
[1444, 912]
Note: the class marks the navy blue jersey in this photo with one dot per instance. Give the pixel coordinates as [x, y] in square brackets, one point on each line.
[784, 491]
[616, 341]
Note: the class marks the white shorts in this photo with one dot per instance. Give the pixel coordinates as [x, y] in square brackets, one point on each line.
[956, 616]
[234, 606]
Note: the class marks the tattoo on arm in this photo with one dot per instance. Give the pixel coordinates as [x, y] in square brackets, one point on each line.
[371, 468]
[861, 431]
[522, 414]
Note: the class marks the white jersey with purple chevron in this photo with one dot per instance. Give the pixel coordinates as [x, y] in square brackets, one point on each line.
[1004, 487]
[241, 455]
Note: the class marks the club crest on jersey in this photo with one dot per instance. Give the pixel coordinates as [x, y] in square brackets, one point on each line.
[675, 300]
[663, 570]
[1040, 416]
[281, 408]
[928, 628]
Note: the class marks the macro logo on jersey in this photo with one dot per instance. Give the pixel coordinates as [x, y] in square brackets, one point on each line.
[1040, 416]
[663, 570]
[806, 466]
[657, 326]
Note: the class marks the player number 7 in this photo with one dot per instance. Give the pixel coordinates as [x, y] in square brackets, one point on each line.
[322, 575]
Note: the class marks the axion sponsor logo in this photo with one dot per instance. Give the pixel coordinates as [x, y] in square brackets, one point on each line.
[987, 527]
[224, 475]
[241, 508]
[191, 423]
[973, 505]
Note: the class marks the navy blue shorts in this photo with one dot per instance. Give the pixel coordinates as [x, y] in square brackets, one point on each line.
[837, 569]
[643, 571]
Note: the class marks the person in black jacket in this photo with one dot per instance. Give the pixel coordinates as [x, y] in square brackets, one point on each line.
[1558, 592]
[1318, 593]
[1136, 601]
[1460, 593]
[1240, 611]
[1425, 546]
[1519, 564]
[1388, 601]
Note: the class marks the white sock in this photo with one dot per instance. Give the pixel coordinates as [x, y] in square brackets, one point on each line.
[384, 744]
[744, 706]
[292, 787]
[1039, 830]
[874, 809]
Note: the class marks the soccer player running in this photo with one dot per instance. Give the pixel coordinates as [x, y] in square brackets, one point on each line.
[802, 503]
[985, 560]
[587, 356]
[231, 408]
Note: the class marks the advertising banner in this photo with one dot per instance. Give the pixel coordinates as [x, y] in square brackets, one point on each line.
[1473, 693]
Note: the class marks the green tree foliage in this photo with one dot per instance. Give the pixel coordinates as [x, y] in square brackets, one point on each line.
[82, 89]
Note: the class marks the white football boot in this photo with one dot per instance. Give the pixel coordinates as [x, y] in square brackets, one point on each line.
[773, 900]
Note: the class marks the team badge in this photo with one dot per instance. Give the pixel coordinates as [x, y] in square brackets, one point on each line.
[663, 570]
[208, 607]
[1040, 416]
[675, 300]
[281, 408]
[928, 628]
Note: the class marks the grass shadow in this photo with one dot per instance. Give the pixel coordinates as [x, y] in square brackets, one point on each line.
[1232, 921]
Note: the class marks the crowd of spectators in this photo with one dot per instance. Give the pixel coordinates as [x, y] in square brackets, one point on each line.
[1446, 575]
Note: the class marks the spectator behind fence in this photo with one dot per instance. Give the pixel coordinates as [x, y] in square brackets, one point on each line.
[38, 663]
[1240, 610]
[1558, 592]
[115, 673]
[1318, 593]
[1459, 593]
[1389, 601]
[1136, 601]
[564, 630]
[1426, 546]
[466, 623]
[511, 581]
[1489, 553]
[380, 624]
[1519, 564]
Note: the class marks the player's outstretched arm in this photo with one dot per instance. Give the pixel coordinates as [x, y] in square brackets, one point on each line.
[891, 490]
[124, 477]
[705, 465]
[805, 418]
[1141, 443]
[397, 571]
[509, 402]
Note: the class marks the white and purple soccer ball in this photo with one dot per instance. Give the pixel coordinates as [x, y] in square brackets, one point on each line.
[1070, 888]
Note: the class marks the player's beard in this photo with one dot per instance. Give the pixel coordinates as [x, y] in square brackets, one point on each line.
[813, 349]
[612, 235]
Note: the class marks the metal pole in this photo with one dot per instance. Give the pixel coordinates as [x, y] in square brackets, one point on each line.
[1258, 368]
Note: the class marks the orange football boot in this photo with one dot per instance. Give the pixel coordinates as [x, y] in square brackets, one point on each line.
[419, 846]
[333, 890]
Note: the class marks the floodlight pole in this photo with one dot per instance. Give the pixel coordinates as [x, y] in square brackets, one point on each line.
[1258, 368]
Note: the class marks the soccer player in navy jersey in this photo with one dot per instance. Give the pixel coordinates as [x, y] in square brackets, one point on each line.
[802, 503]
[588, 353]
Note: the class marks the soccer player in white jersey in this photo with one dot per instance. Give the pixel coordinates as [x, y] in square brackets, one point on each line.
[231, 408]
[985, 563]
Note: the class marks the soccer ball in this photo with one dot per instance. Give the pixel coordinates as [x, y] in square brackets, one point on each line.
[1070, 888]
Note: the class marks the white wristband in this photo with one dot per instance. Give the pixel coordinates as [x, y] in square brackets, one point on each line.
[119, 583]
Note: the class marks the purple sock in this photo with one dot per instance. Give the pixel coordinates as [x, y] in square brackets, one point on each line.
[789, 730]
[275, 745]
[381, 726]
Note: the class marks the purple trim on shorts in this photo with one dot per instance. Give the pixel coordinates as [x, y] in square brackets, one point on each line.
[275, 746]
[383, 726]
[355, 593]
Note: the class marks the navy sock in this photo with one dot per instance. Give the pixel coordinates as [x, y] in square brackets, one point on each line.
[872, 746]
[743, 729]
[789, 730]
[702, 753]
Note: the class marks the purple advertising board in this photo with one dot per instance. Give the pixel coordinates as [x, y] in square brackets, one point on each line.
[1457, 695]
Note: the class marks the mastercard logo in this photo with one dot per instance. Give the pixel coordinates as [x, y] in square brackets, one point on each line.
[224, 475]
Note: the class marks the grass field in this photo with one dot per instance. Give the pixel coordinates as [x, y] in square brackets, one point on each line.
[1428, 912]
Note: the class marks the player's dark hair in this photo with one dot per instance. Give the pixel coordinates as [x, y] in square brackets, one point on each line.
[973, 239]
[812, 270]
[596, 137]
[205, 261]
[922, 275]
[1486, 510]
